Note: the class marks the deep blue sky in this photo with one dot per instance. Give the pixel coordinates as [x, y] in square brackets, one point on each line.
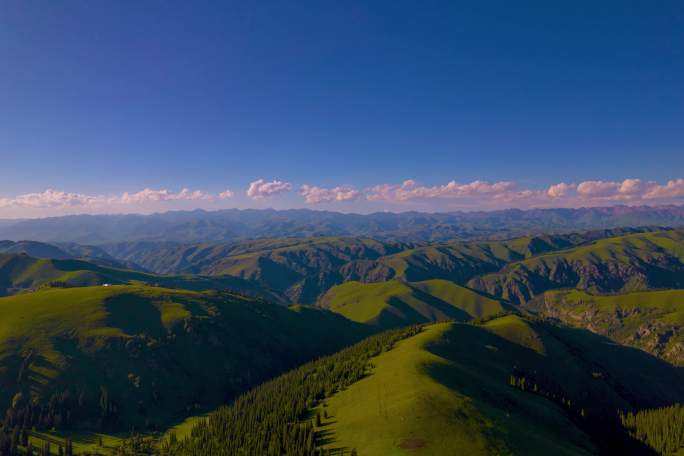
[102, 97]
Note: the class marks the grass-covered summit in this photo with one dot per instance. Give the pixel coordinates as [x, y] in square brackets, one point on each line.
[398, 303]
[22, 273]
[509, 386]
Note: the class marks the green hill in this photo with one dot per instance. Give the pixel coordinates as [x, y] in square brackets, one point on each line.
[460, 261]
[448, 391]
[303, 269]
[508, 386]
[650, 320]
[619, 264]
[68, 251]
[119, 356]
[21, 273]
[396, 303]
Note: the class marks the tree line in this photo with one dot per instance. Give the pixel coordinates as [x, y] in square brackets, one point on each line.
[661, 429]
[657, 431]
[276, 417]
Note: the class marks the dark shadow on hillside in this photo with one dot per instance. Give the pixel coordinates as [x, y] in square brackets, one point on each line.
[595, 375]
[326, 436]
[399, 313]
[134, 315]
[448, 310]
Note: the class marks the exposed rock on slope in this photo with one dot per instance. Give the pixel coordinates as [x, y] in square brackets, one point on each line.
[620, 264]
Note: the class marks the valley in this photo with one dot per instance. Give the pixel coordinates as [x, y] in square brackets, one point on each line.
[547, 336]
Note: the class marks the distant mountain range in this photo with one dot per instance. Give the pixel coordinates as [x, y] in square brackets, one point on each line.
[234, 224]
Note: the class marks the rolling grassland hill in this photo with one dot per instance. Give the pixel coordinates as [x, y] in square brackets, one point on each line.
[633, 262]
[21, 273]
[122, 356]
[34, 249]
[510, 385]
[174, 258]
[396, 303]
[91, 254]
[303, 269]
[300, 269]
[460, 261]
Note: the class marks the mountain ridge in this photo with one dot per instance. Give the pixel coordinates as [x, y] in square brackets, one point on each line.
[237, 224]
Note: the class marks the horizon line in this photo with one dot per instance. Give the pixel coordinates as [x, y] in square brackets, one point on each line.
[306, 209]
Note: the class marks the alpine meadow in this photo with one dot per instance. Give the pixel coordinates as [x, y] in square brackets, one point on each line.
[341, 228]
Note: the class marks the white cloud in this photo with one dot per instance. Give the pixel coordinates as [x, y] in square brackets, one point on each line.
[149, 195]
[485, 195]
[631, 190]
[55, 199]
[314, 195]
[558, 190]
[410, 190]
[673, 189]
[632, 187]
[592, 189]
[226, 194]
[450, 196]
[260, 189]
[49, 199]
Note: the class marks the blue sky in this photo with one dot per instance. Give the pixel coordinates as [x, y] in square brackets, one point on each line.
[352, 99]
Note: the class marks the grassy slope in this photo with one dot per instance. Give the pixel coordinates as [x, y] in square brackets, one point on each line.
[197, 348]
[395, 303]
[649, 320]
[83, 441]
[401, 403]
[460, 261]
[303, 269]
[446, 391]
[619, 264]
[19, 273]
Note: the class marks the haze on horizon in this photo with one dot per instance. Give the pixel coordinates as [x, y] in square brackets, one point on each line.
[126, 107]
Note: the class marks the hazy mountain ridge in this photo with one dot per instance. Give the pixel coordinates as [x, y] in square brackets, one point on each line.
[233, 224]
[65, 251]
